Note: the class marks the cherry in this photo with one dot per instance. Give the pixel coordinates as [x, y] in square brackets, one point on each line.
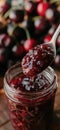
[3, 28]
[37, 59]
[16, 15]
[18, 51]
[4, 8]
[7, 41]
[29, 7]
[42, 7]
[58, 41]
[52, 29]
[4, 54]
[29, 43]
[1, 55]
[57, 61]
[49, 14]
[38, 1]
[47, 38]
[1, 37]
[19, 34]
[40, 24]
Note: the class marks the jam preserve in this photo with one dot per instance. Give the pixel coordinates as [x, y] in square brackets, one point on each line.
[30, 100]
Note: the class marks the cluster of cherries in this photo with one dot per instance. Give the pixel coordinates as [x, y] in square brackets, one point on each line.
[25, 27]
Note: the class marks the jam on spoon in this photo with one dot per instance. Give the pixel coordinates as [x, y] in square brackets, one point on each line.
[40, 57]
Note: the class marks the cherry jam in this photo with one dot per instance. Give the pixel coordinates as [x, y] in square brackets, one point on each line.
[30, 99]
[37, 59]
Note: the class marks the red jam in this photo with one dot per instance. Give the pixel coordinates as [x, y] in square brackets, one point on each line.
[26, 84]
[30, 93]
[37, 59]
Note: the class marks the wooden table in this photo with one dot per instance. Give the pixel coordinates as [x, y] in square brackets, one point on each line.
[5, 123]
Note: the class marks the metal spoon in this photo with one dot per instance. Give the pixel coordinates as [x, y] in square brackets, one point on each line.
[52, 42]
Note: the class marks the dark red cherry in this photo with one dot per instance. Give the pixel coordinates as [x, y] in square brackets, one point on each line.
[3, 55]
[40, 24]
[58, 41]
[37, 59]
[18, 50]
[4, 8]
[47, 38]
[38, 1]
[49, 14]
[57, 61]
[29, 7]
[16, 15]
[29, 43]
[1, 37]
[7, 41]
[42, 7]
[19, 34]
[52, 29]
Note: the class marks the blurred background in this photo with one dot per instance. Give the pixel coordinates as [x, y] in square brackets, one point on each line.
[24, 24]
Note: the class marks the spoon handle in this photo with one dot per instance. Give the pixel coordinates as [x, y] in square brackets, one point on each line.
[53, 40]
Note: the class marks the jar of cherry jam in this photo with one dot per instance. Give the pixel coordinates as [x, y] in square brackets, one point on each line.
[30, 100]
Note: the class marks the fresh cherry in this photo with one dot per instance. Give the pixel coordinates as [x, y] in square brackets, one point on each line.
[4, 8]
[58, 41]
[37, 59]
[16, 15]
[57, 61]
[29, 43]
[29, 7]
[42, 7]
[52, 29]
[49, 14]
[4, 55]
[19, 34]
[38, 1]
[18, 50]
[47, 38]
[40, 24]
[7, 41]
[1, 37]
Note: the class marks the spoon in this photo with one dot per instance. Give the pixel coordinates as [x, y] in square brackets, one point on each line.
[53, 40]
[40, 57]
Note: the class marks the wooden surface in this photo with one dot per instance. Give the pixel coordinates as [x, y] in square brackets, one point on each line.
[5, 123]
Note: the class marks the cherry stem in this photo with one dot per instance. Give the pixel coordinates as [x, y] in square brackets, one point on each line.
[27, 33]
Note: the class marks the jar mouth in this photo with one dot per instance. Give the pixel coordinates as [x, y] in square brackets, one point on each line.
[13, 93]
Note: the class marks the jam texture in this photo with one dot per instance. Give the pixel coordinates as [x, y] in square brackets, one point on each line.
[37, 59]
[28, 117]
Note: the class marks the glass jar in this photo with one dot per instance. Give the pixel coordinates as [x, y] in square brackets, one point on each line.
[30, 111]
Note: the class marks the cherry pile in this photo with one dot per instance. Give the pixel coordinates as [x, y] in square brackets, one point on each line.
[23, 27]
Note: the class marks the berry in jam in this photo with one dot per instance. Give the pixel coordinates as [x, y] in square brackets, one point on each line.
[26, 84]
[37, 59]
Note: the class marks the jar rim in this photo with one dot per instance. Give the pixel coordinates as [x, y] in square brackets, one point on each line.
[11, 92]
